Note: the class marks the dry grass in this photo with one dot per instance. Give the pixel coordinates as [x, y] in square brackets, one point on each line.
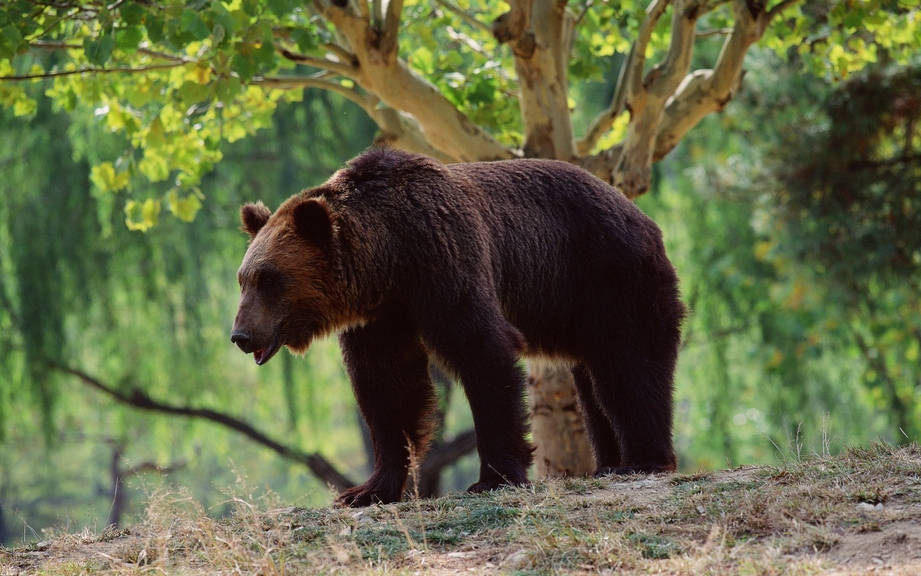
[856, 513]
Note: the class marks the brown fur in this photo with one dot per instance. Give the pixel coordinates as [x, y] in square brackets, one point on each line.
[473, 264]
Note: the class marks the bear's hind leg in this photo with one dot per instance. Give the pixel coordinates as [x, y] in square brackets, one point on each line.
[605, 440]
[636, 394]
[388, 367]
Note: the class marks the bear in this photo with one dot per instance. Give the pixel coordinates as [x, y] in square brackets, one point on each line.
[471, 265]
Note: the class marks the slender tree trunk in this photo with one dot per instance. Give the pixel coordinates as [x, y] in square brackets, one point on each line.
[557, 426]
[118, 488]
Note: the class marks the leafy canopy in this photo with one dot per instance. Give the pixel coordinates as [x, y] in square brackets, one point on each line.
[177, 78]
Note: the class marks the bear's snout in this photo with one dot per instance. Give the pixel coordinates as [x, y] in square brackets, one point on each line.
[242, 340]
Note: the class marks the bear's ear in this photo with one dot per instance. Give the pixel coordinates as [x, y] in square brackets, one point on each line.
[313, 222]
[254, 217]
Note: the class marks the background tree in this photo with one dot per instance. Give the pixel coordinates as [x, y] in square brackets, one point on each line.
[178, 79]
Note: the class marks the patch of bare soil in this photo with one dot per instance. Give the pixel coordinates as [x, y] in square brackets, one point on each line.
[857, 513]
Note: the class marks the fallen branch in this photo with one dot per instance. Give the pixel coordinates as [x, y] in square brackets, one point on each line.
[445, 454]
[318, 465]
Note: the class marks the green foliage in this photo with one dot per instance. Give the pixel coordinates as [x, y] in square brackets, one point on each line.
[802, 330]
[149, 310]
[862, 197]
[178, 80]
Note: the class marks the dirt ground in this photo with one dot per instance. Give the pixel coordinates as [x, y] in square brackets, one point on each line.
[857, 513]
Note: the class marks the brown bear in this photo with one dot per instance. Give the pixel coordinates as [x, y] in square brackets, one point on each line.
[471, 265]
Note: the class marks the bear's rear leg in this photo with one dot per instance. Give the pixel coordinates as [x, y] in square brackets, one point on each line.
[388, 367]
[636, 394]
[604, 438]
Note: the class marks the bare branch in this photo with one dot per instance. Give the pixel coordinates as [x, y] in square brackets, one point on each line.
[631, 73]
[295, 82]
[322, 63]
[390, 79]
[512, 28]
[637, 61]
[467, 17]
[715, 32]
[537, 31]
[137, 398]
[581, 16]
[149, 466]
[391, 31]
[377, 13]
[647, 98]
[444, 454]
[400, 130]
[664, 78]
[51, 45]
[343, 54]
[117, 70]
[706, 91]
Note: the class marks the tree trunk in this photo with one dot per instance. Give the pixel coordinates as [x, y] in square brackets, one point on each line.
[557, 427]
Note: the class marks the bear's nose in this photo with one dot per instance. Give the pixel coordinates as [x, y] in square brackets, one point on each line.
[241, 339]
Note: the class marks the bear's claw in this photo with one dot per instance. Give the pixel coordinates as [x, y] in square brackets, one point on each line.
[367, 494]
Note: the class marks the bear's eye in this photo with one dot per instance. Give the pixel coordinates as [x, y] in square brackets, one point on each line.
[269, 282]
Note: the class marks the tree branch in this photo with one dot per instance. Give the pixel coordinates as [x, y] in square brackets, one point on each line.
[706, 91]
[117, 70]
[538, 32]
[52, 45]
[511, 26]
[137, 398]
[150, 466]
[391, 31]
[634, 77]
[467, 17]
[447, 453]
[390, 79]
[341, 68]
[343, 54]
[635, 60]
[294, 82]
[646, 99]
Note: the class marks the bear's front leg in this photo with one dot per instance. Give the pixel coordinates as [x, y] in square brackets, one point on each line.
[388, 367]
[482, 348]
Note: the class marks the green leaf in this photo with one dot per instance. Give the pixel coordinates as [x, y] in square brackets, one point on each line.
[280, 7]
[105, 179]
[10, 41]
[244, 65]
[192, 92]
[127, 39]
[184, 208]
[223, 23]
[227, 88]
[154, 23]
[265, 54]
[132, 13]
[142, 216]
[251, 7]
[24, 106]
[154, 166]
[305, 38]
[191, 24]
[98, 50]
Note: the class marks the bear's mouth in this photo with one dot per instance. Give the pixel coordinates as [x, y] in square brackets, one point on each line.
[263, 355]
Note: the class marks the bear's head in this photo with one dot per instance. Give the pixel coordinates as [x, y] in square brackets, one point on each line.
[288, 285]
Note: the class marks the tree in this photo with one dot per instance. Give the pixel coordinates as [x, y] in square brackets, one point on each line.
[179, 78]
